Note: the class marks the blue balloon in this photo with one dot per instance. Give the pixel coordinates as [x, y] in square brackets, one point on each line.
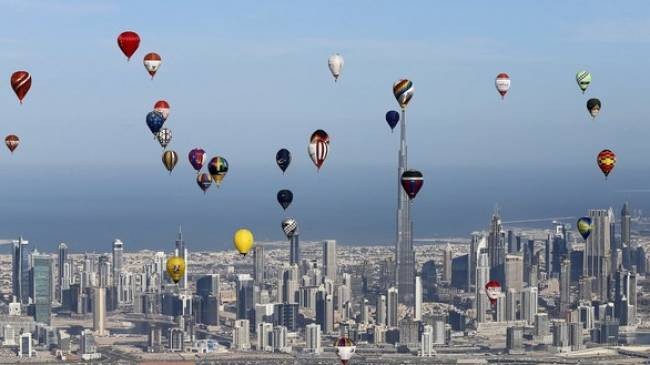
[283, 159]
[285, 197]
[155, 121]
[392, 118]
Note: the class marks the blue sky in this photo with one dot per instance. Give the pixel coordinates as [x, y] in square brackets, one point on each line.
[247, 78]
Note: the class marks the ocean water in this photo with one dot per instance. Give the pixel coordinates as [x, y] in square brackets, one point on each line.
[89, 206]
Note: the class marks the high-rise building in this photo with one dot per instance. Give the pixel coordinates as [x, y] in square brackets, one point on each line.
[561, 339]
[557, 249]
[597, 252]
[575, 336]
[626, 241]
[264, 336]
[429, 280]
[477, 245]
[21, 270]
[294, 249]
[514, 272]
[481, 306]
[25, 349]
[496, 247]
[181, 250]
[625, 297]
[118, 260]
[325, 311]
[514, 338]
[99, 311]
[312, 338]
[439, 332]
[208, 285]
[241, 335]
[512, 299]
[541, 324]
[427, 342]
[409, 331]
[105, 273]
[529, 304]
[280, 339]
[258, 267]
[380, 310]
[391, 307]
[528, 256]
[446, 264]
[246, 298]
[565, 284]
[404, 253]
[418, 299]
[41, 275]
[329, 259]
[87, 344]
[482, 271]
[63, 260]
[175, 338]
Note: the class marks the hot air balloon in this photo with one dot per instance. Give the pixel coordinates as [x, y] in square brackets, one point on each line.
[606, 161]
[492, 290]
[335, 63]
[412, 181]
[155, 121]
[21, 81]
[584, 227]
[162, 106]
[152, 63]
[285, 197]
[290, 227]
[502, 84]
[203, 180]
[169, 159]
[583, 78]
[218, 168]
[164, 137]
[318, 152]
[197, 158]
[243, 241]
[593, 106]
[392, 118]
[128, 42]
[403, 91]
[12, 141]
[283, 159]
[345, 349]
[319, 135]
[176, 268]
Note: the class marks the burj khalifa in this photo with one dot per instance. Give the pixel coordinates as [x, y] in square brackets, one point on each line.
[404, 254]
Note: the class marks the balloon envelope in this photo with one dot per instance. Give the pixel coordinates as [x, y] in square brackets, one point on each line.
[155, 121]
[403, 91]
[21, 82]
[335, 64]
[593, 106]
[218, 168]
[492, 290]
[169, 159]
[152, 63]
[128, 42]
[583, 78]
[12, 141]
[176, 268]
[412, 181]
[606, 161]
[318, 152]
[283, 159]
[285, 197]
[197, 158]
[392, 118]
[162, 106]
[204, 181]
[290, 227]
[502, 83]
[584, 227]
[345, 349]
[164, 136]
[243, 241]
[319, 135]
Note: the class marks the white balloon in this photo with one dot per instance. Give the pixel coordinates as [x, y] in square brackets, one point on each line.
[335, 63]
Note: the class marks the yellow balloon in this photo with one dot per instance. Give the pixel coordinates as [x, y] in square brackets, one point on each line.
[176, 268]
[243, 240]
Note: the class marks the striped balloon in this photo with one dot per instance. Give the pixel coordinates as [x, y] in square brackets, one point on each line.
[203, 180]
[318, 152]
[412, 181]
[21, 82]
[583, 78]
[606, 161]
[169, 159]
[403, 91]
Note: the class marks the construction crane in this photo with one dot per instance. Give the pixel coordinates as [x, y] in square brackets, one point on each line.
[553, 219]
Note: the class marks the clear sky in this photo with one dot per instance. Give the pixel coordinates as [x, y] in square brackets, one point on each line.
[247, 78]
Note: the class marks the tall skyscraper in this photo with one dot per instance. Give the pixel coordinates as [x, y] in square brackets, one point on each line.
[565, 283]
[118, 261]
[380, 310]
[312, 338]
[496, 247]
[391, 307]
[41, 275]
[258, 268]
[241, 335]
[181, 251]
[514, 272]
[99, 311]
[325, 311]
[418, 299]
[597, 252]
[294, 249]
[626, 242]
[482, 271]
[20, 270]
[63, 259]
[404, 253]
[105, 274]
[329, 259]
[446, 264]
[529, 297]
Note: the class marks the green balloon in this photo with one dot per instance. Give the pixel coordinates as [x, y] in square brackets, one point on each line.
[583, 78]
